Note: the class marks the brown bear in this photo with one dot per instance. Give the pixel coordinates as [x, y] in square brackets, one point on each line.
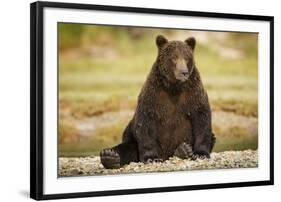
[172, 116]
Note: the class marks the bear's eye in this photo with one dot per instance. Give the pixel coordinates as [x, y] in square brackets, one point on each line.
[189, 63]
[174, 60]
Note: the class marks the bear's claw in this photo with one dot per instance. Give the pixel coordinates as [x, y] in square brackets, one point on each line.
[157, 160]
[199, 156]
[184, 151]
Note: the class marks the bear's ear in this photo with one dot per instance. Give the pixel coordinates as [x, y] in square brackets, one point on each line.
[191, 42]
[160, 41]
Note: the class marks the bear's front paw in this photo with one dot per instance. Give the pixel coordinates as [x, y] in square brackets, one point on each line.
[184, 151]
[149, 156]
[110, 159]
[200, 152]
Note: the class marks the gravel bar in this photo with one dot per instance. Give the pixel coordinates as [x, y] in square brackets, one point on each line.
[91, 165]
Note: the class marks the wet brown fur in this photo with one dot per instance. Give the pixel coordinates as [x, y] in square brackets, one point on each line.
[169, 111]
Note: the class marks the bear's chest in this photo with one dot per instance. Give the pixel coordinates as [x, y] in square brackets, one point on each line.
[175, 122]
[172, 108]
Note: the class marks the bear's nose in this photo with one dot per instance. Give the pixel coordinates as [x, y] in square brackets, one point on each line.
[184, 72]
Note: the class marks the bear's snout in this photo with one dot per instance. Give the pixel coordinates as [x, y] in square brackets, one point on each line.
[184, 72]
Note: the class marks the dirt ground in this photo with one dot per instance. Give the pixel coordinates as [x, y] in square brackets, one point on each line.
[223, 160]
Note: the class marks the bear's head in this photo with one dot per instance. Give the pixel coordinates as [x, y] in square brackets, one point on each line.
[175, 58]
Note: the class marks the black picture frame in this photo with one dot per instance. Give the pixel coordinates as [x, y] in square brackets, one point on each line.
[37, 98]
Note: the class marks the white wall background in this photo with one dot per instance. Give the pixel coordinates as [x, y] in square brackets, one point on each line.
[14, 100]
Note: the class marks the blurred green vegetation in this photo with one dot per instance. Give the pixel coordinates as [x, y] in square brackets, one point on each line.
[102, 69]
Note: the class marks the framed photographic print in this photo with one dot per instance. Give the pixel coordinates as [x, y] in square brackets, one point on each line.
[135, 100]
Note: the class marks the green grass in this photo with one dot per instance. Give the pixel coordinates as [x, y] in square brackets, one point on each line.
[237, 144]
[234, 138]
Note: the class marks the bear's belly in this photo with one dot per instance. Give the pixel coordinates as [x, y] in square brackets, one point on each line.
[172, 133]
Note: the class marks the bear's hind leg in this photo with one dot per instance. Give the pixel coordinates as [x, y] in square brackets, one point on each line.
[119, 155]
[110, 158]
